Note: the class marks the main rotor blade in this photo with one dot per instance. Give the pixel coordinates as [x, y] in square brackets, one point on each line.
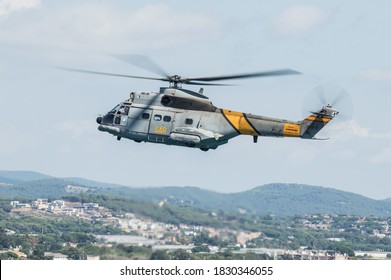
[205, 84]
[247, 75]
[142, 62]
[111, 74]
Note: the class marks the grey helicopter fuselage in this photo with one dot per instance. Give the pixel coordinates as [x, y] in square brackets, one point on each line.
[176, 116]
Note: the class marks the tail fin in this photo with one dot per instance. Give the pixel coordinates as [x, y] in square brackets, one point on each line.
[316, 121]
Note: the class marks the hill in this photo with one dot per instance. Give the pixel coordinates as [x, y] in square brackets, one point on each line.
[45, 188]
[284, 199]
[91, 183]
[7, 181]
[23, 175]
[276, 199]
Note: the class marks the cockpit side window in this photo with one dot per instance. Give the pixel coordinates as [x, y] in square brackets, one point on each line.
[123, 110]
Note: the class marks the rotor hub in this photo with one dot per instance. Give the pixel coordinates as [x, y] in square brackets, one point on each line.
[329, 111]
[175, 80]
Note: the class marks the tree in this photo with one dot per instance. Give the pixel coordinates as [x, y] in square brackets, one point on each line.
[5, 240]
[38, 253]
[74, 253]
[345, 249]
[201, 248]
[203, 238]
[286, 257]
[227, 254]
[253, 256]
[159, 255]
[180, 255]
[8, 256]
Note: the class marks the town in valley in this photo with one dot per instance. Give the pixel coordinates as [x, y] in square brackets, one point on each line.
[106, 233]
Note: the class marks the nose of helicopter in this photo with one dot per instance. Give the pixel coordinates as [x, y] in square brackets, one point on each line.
[99, 120]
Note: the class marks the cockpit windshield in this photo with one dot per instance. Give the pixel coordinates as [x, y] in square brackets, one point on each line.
[115, 109]
[120, 109]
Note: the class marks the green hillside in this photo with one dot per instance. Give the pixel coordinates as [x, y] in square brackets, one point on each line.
[91, 183]
[45, 188]
[277, 199]
[294, 199]
[6, 181]
[23, 175]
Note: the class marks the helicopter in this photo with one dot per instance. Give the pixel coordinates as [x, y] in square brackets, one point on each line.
[182, 117]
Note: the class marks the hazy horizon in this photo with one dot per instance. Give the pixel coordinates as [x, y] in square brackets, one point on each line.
[189, 186]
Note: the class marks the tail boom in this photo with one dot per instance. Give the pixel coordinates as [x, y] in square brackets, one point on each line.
[248, 124]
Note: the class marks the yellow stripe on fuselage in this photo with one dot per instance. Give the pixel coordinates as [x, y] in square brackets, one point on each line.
[318, 119]
[291, 130]
[239, 122]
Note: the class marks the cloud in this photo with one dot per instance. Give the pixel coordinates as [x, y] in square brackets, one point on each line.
[383, 157]
[9, 6]
[376, 75]
[299, 20]
[353, 129]
[77, 129]
[362, 132]
[77, 136]
[346, 130]
[100, 27]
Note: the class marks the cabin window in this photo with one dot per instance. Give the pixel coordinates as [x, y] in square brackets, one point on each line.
[145, 116]
[167, 118]
[189, 121]
[157, 117]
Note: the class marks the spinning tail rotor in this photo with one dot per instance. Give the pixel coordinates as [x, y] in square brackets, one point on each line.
[326, 102]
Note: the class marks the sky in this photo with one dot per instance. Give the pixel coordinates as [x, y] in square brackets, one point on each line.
[47, 116]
